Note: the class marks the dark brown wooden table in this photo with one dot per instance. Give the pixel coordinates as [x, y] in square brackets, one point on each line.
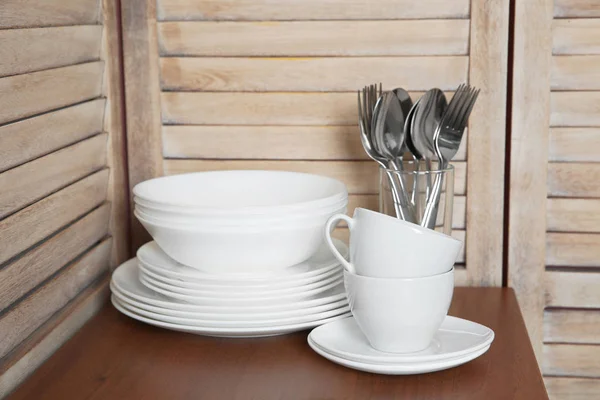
[114, 357]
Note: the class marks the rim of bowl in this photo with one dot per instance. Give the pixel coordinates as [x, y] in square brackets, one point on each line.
[342, 192]
[373, 278]
[413, 225]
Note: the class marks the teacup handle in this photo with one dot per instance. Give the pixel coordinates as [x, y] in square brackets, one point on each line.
[331, 223]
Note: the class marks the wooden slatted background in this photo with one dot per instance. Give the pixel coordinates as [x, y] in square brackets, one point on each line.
[215, 85]
[63, 206]
[554, 190]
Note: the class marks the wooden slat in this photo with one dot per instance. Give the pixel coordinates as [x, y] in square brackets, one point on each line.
[575, 108]
[560, 388]
[36, 179]
[571, 360]
[39, 92]
[575, 73]
[36, 222]
[29, 270]
[261, 108]
[576, 8]
[264, 10]
[30, 138]
[573, 215]
[32, 13]
[574, 144]
[23, 319]
[114, 124]
[573, 179]
[338, 74]
[32, 353]
[315, 38]
[142, 98]
[576, 36]
[573, 249]
[572, 326]
[361, 177]
[269, 142]
[528, 162]
[488, 68]
[28, 50]
[572, 289]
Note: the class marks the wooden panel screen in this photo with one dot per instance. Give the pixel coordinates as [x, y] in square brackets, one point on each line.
[554, 255]
[63, 203]
[215, 85]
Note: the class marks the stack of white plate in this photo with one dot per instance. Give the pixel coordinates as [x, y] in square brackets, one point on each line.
[157, 290]
[235, 253]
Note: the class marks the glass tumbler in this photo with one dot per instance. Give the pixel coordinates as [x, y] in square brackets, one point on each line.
[425, 194]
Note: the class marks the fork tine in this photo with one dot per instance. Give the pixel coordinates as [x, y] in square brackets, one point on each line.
[461, 107]
[465, 118]
[453, 102]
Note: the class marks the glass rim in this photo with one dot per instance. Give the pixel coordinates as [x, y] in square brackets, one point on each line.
[448, 169]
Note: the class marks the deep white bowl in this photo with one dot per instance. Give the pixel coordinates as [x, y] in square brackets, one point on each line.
[227, 249]
[240, 193]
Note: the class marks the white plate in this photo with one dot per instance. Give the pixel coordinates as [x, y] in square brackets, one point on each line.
[226, 332]
[125, 279]
[407, 368]
[456, 337]
[235, 292]
[215, 313]
[151, 256]
[235, 301]
[257, 323]
[239, 287]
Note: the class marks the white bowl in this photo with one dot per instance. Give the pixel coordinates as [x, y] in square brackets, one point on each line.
[238, 249]
[240, 192]
[170, 218]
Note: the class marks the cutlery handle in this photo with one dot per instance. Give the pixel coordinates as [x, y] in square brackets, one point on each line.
[395, 195]
[431, 209]
[331, 223]
[407, 210]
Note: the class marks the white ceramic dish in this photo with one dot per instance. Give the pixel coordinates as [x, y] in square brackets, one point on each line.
[155, 259]
[192, 219]
[257, 323]
[234, 301]
[193, 289]
[405, 368]
[386, 247]
[226, 332]
[235, 250]
[125, 279]
[399, 315]
[216, 314]
[240, 192]
[456, 338]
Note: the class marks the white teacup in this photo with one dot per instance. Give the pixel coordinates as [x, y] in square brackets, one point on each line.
[386, 247]
[399, 315]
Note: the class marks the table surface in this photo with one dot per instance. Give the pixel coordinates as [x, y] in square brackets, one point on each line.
[115, 357]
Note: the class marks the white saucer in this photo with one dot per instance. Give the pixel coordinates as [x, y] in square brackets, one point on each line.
[234, 292]
[457, 342]
[125, 280]
[225, 332]
[154, 258]
[456, 337]
[409, 368]
[258, 322]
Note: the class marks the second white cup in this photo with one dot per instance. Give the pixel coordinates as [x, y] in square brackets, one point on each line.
[382, 246]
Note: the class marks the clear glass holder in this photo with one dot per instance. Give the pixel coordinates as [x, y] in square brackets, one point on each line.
[419, 192]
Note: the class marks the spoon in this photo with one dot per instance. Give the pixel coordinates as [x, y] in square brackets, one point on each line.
[388, 131]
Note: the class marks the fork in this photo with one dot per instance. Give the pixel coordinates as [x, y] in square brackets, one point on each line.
[447, 138]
